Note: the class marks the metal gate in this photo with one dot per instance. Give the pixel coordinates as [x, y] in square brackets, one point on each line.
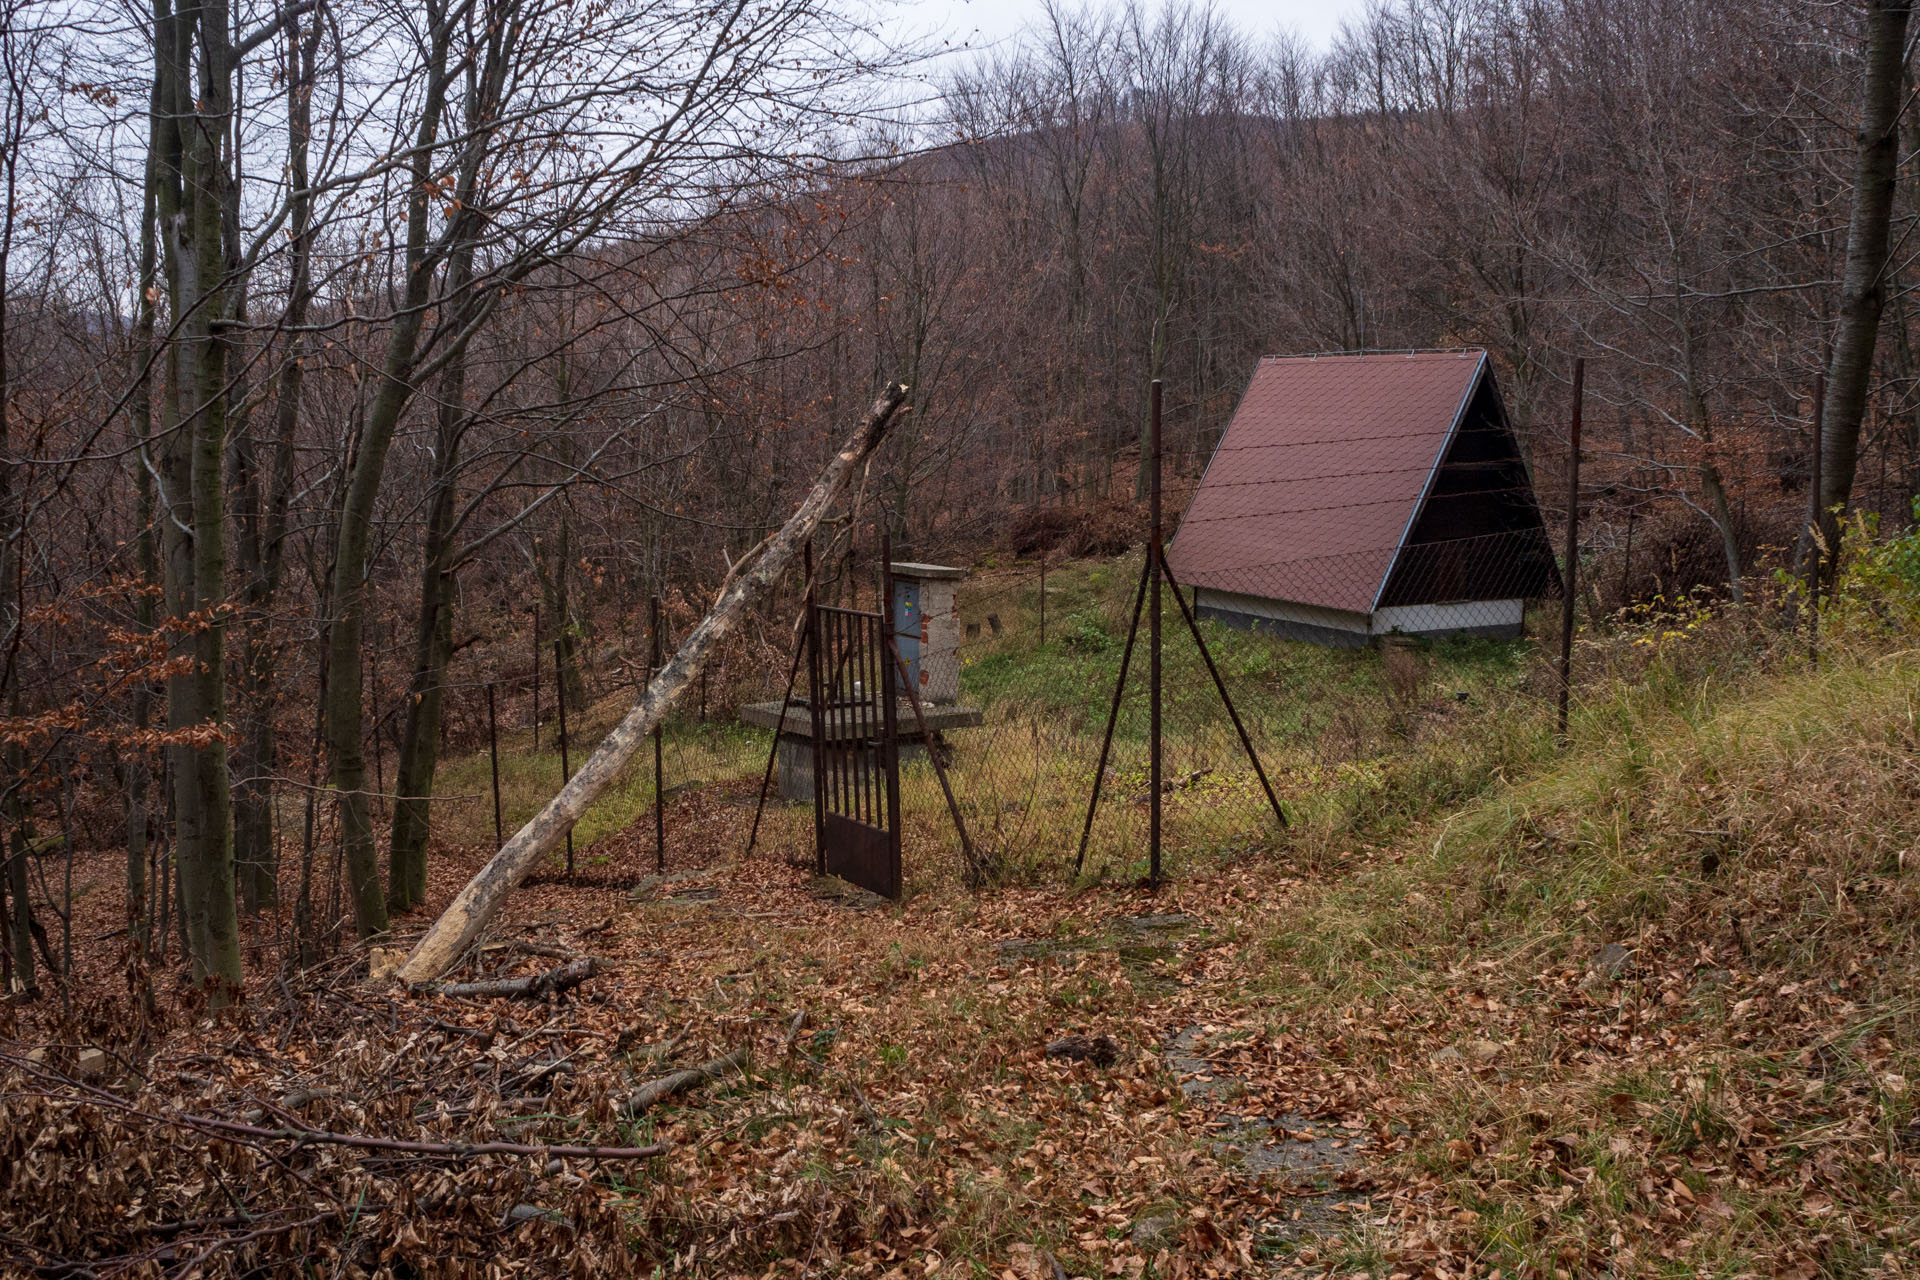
[856, 750]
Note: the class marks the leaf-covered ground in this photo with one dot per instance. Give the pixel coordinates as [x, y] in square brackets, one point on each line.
[1651, 1012]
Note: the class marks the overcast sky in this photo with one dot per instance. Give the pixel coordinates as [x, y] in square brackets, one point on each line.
[981, 22]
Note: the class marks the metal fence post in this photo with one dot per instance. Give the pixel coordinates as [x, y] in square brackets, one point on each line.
[1220, 687]
[659, 772]
[1572, 568]
[1043, 597]
[1113, 717]
[373, 723]
[1153, 639]
[816, 695]
[566, 769]
[493, 754]
[536, 676]
[1816, 522]
[889, 715]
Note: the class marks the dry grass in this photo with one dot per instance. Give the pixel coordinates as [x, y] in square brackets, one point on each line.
[1656, 1012]
[1355, 743]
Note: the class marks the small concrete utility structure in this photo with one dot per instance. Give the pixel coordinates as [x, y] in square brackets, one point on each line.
[926, 631]
[1358, 496]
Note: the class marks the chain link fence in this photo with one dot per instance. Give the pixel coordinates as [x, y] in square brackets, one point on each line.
[1374, 664]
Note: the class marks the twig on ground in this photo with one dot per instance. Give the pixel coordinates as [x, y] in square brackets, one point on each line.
[234, 1130]
[539, 985]
[655, 1091]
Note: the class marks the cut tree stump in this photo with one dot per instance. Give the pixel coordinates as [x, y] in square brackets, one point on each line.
[1101, 1051]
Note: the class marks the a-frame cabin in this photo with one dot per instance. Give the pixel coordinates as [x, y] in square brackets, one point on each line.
[1357, 496]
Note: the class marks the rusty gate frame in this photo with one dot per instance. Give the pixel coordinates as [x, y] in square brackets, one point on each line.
[852, 699]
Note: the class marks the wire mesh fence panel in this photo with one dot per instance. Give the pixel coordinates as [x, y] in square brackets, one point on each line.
[1381, 605]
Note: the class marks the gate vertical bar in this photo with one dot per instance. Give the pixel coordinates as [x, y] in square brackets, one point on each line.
[493, 755]
[853, 785]
[873, 688]
[814, 695]
[839, 689]
[566, 766]
[1153, 639]
[1816, 522]
[829, 711]
[869, 653]
[890, 741]
[859, 778]
[659, 772]
[1572, 569]
[536, 676]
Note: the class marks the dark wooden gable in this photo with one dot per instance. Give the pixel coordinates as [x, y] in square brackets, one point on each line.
[1478, 533]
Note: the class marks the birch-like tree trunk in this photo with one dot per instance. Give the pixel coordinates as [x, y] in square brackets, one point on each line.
[193, 66]
[432, 650]
[1863, 284]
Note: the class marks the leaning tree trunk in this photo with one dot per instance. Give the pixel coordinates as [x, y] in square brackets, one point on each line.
[433, 649]
[462, 921]
[264, 523]
[1863, 283]
[344, 713]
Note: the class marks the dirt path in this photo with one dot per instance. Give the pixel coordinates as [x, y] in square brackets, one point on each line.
[1310, 1163]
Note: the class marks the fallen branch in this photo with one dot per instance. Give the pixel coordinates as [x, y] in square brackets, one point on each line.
[469, 912]
[235, 1131]
[551, 950]
[453, 1150]
[537, 987]
[656, 1091]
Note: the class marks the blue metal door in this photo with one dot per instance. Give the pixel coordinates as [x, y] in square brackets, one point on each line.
[907, 629]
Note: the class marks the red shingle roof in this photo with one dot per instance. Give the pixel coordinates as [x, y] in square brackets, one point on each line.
[1320, 473]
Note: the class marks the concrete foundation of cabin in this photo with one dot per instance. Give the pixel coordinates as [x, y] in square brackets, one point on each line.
[1341, 629]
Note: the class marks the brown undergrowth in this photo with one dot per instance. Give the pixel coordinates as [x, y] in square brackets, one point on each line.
[913, 1125]
[1644, 1008]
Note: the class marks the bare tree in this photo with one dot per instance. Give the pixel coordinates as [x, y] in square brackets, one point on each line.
[1863, 286]
[521, 158]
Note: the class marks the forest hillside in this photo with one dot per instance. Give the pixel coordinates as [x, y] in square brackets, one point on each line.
[689, 638]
